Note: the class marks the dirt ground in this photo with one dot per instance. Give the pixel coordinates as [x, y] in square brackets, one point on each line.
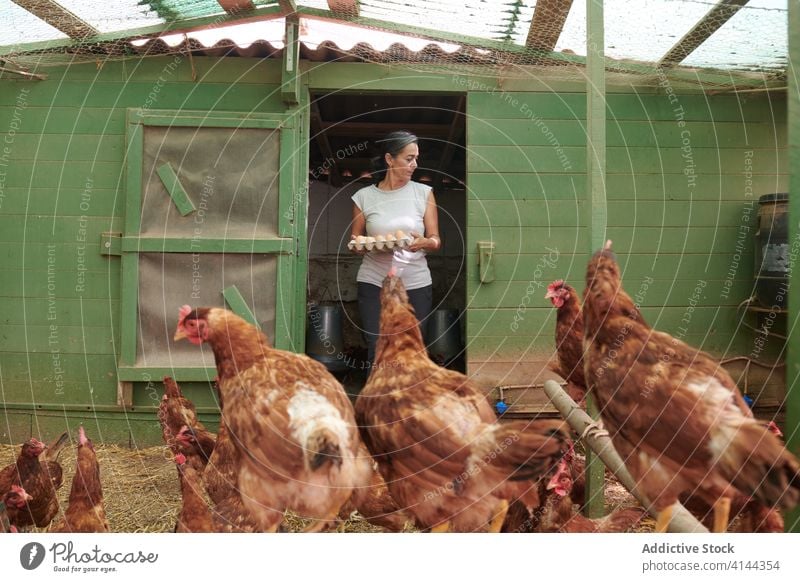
[141, 491]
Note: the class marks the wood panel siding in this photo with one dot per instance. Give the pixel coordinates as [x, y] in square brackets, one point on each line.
[684, 177]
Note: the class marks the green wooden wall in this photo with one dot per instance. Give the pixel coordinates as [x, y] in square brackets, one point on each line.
[61, 186]
[684, 175]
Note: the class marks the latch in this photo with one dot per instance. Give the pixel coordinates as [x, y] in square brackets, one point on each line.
[486, 261]
[111, 243]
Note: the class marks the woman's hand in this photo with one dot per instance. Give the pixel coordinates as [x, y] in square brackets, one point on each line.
[421, 243]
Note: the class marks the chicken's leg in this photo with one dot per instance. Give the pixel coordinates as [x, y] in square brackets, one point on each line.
[499, 517]
[722, 510]
[664, 517]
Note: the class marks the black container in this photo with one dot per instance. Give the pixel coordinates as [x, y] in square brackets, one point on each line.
[324, 340]
[772, 251]
[444, 336]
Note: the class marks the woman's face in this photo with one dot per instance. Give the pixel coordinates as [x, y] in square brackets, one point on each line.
[403, 164]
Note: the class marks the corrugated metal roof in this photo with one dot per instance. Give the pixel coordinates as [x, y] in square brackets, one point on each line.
[754, 38]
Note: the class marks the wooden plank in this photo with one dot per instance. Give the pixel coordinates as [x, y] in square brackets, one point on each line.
[175, 189]
[61, 284]
[512, 294]
[638, 160]
[133, 178]
[59, 18]
[713, 20]
[548, 21]
[45, 147]
[571, 266]
[555, 187]
[129, 281]
[558, 213]
[197, 245]
[238, 305]
[43, 311]
[40, 367]
[66, 339]
[628, 133]
[205, 97]
[290, 73]
[793, 355]
[104, 175]
[64, 256]
[147, 374]
[40, 229]
[86, 201]
[486, 106]
[67, 120]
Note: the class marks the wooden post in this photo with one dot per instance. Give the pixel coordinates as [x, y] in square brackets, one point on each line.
[596, 194]
[682, 521]
[792, 520]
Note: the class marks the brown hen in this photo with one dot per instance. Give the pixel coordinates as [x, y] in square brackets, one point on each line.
[288, 418]
[85, 511]
[674, 415]
[180, 427]
[435, 437]
[569, 338]
[41, 478]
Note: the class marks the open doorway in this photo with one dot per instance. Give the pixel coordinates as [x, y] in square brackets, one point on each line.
[343, 129]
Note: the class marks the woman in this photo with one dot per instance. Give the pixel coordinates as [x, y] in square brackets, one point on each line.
[395, 203]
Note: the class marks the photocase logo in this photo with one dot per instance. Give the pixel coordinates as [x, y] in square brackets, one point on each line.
[31, 555]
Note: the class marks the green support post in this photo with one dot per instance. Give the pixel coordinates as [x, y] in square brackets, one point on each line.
[596, 194]
[792, 520]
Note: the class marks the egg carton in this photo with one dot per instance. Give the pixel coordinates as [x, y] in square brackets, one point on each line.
[373, 244]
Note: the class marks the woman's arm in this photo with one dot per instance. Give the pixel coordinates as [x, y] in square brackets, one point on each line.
[358, 227]
[431, 241]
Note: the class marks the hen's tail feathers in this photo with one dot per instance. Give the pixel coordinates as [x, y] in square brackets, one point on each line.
[768, 471]
[530, 450]
[322, 447]
[54, 449]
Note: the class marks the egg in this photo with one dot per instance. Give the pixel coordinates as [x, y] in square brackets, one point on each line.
[399, 234]
[361, 239]
[391, 237]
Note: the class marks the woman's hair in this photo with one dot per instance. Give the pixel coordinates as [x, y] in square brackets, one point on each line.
[391, 144]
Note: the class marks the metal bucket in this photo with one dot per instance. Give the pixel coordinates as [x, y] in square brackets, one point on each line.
[444, 333]
[772, 251]
[324, 340]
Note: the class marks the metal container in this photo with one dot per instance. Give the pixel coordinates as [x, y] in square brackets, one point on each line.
[324, 340]
[772, 251]
[444, 333]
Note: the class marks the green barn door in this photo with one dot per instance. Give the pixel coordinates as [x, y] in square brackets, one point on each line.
[209, 221]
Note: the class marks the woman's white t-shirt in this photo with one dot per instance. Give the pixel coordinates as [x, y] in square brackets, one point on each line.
[387, 211]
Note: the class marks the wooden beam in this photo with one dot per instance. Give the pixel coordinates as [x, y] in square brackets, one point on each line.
[345, 8]
[705, 27]
[236, 6]
[548, 22]
[596, 196]
[58, 17]
[792, 429]
[457, 128]
[373, 129]
[290, 72]
[288, 6]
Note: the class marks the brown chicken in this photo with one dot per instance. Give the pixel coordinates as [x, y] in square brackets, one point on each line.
[14, 501]
[674, 415]
[177, 415]
[195, 515]
[41, 478]
[435, 436]
[85, 510]
[289, 419]
[569, 338]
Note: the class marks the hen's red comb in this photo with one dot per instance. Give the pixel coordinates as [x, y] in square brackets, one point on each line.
[392, 272]
[82, 436]
[184, 311]
[180, 459]
[556, 284]
[18, 490]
